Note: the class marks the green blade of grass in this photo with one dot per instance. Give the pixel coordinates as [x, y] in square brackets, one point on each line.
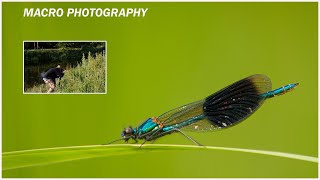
[47, 156]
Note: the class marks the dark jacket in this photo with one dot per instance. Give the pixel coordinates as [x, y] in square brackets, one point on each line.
[53, 73]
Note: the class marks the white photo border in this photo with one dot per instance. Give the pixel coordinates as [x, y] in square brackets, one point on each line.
[106, 64]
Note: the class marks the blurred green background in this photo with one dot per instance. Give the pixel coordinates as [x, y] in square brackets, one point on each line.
[178, 53]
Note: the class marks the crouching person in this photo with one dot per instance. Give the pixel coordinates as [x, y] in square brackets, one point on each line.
[50, 76]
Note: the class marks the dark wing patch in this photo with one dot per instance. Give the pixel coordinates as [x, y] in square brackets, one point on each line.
[236, 102]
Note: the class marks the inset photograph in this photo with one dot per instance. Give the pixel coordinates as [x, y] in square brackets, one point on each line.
[64, 67]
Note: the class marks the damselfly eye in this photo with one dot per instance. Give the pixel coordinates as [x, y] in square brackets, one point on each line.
[128, 130]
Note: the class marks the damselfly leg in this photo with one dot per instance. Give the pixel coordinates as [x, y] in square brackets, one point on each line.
[194, 141]
[113, 141]
[175, 129]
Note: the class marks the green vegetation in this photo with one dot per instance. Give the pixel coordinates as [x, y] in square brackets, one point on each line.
[87, 77]
[57, 45]
[61, 55]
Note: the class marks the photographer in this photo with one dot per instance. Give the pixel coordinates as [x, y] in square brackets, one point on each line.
[50, 76]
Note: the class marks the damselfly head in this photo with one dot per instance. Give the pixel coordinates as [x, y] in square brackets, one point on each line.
[127, 132]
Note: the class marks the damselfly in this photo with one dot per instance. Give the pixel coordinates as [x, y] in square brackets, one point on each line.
[221, 110]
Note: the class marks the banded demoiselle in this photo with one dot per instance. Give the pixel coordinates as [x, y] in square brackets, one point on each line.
[223, 109]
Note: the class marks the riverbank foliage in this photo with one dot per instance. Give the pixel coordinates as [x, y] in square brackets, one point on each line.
[87, 77]
[39, 53]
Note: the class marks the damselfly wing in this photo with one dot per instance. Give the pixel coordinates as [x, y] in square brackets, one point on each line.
[224, 108]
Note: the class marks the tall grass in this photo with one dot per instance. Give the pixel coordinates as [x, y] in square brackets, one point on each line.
[37, 89]
[87, 77]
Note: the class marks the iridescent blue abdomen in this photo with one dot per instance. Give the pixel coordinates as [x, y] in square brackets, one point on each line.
[185, 123]
[280, 91]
